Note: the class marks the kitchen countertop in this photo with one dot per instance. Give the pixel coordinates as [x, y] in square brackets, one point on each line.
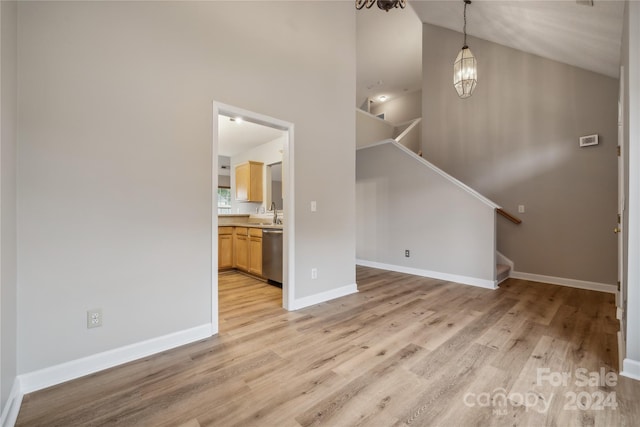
[252, 225]
[248, 220]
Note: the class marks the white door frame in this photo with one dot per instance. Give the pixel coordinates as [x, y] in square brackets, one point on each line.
[621, 296]
[621, 192]
[288, 253]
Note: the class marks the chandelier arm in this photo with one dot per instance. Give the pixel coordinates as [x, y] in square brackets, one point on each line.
[385, 5]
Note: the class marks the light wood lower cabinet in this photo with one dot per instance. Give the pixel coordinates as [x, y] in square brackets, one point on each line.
[225, 248]
[255, 251]
[240, 248]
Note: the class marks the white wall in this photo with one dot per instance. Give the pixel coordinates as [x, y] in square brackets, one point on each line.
[114, 160]
[268, 153]
[403, 204]
[8, 117]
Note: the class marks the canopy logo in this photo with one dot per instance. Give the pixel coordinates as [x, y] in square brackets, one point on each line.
[499, 399]
[593, 398]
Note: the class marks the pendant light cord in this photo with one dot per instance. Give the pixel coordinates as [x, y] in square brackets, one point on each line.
[464, 28]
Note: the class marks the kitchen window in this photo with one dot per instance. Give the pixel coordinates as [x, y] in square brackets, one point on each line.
[224, 200]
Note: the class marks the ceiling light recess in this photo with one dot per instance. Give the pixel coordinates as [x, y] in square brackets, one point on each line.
[385, 5]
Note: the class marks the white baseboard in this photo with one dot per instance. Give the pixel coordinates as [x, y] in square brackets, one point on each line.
[572, 283]
[622, 350]
[12, 406]
[631, 369]
[299, 303]
[473, 281]
[57, 374]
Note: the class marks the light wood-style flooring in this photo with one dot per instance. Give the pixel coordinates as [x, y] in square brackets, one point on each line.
[405, 350]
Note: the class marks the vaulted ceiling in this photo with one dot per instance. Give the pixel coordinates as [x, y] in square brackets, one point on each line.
[389, 45]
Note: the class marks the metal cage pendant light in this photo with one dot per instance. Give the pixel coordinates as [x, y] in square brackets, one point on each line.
[465, 69]
[385, 5]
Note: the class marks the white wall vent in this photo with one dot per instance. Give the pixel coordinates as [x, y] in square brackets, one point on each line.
[588, 140]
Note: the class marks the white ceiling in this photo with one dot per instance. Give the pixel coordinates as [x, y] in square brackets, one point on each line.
[390, 43]
[237, 136]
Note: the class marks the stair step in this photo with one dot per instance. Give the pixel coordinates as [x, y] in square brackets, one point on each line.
[502, 272]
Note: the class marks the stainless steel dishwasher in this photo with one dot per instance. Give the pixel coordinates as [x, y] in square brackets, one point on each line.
[272, 255]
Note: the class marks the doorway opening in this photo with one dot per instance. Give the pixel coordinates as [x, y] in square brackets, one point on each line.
[256, 207]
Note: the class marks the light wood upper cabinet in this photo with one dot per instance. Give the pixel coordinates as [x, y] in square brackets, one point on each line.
[249, 181]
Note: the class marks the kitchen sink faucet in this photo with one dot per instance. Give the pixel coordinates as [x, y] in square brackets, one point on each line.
[275, 212]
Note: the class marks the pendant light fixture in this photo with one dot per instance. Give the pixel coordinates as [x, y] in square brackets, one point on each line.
[465, 69]
[385, 5]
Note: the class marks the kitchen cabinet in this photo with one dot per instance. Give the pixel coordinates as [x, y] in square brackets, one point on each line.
[241, 248]
[249, 181]
[225, 248]
[255, 251]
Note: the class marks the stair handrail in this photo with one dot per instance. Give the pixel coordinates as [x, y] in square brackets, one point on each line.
[510, 217]
[434, 168]
[409, 128]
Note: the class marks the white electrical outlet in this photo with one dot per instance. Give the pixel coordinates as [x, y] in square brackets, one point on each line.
[314, 273]
[520, 208]
[314, 206]
[94, 318]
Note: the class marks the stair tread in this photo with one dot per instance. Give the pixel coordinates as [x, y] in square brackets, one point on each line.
[502, 268]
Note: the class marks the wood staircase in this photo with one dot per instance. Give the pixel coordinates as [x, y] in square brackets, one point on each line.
[502, 272]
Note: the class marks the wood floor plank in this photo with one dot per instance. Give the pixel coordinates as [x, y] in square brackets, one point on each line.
[447, 383]
[432, 362]
[327, 409]
[404, 350]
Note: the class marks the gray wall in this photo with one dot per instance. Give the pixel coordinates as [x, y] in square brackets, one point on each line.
[114, 160]
[516, 141]
[371, 129]
[224, 181]
[224, 175]
[402, 204]
[8, 117]
[401, 109]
